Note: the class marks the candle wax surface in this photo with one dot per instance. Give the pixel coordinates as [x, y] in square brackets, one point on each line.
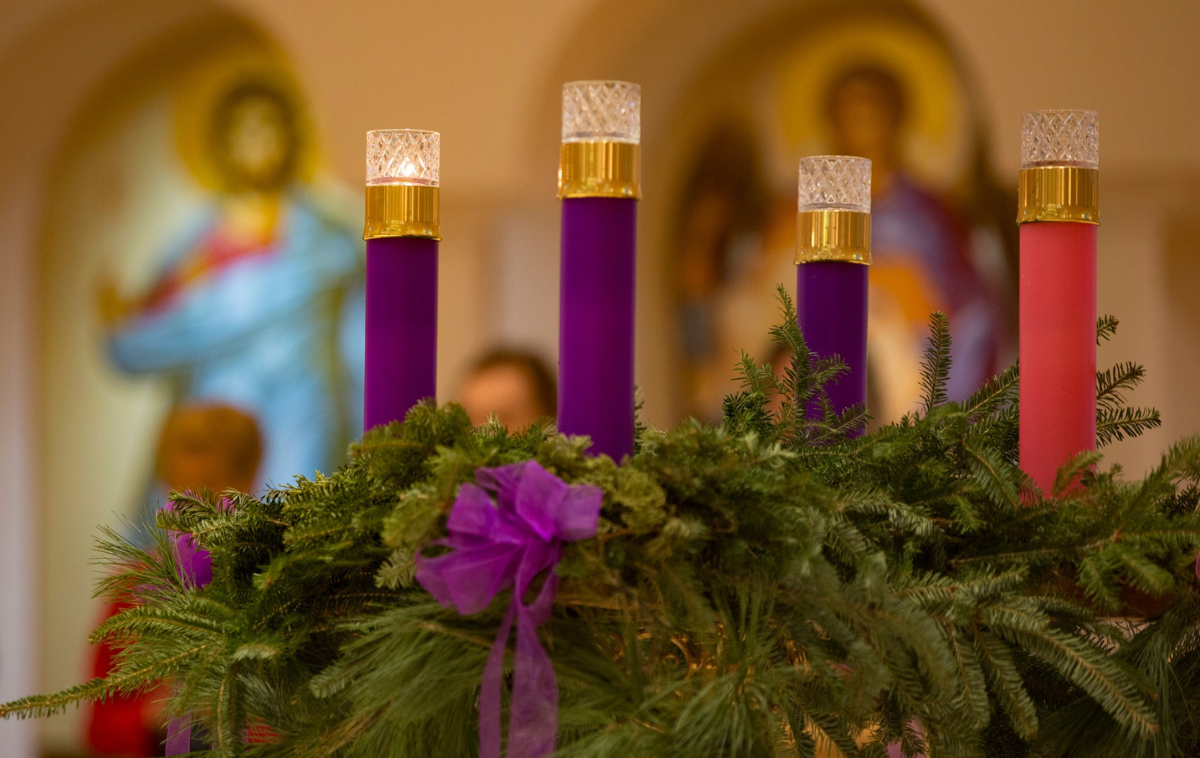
[595, 364]
[1057, 346]
[831, 310]
[401, 359]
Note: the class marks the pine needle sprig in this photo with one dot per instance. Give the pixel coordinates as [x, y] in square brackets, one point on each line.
[1106, 327]
[935, 368]
[997, 393]
[1116, 424]
[1116, 421]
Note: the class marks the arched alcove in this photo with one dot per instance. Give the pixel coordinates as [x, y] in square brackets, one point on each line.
[92, 182]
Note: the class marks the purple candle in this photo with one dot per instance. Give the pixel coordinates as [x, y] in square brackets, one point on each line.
[831, 309]
[402, 234]
[599, 186]
[595, 339]
[833, 255]
[401, 363]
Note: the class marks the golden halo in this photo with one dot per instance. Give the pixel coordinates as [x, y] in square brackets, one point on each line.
[196, 95]
[937, 136]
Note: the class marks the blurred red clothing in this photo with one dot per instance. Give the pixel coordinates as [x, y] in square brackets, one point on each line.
[122, 725]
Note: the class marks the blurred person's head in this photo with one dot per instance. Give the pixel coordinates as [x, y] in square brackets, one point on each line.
[866, 106]
[516, 387]
[256, 137]
[208, 447]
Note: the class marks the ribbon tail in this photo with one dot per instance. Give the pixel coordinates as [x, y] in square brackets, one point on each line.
[179, 735]
[533, 722]
[489, 694]
[539, 610]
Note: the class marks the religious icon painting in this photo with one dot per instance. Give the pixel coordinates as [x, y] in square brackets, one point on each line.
[201, 299]
[866, 84]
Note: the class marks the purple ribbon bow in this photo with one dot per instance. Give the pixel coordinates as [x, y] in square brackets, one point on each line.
[502, 544]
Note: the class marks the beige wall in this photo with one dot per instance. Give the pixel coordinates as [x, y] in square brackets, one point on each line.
[486, 75]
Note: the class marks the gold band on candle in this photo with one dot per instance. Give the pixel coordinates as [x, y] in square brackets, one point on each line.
[1059, 193]
[833, 235]
[402, 210]
[600, 168]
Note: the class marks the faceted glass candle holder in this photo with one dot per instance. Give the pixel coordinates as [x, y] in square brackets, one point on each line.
[403, 156]
[1060, 138]
[835, 182]
[601, 110]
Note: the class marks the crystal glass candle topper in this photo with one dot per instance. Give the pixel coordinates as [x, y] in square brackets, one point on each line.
[1060, 138]
[835, 182]
[407, 156]
[602, 110]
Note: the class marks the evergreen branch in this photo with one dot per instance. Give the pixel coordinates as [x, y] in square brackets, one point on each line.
[1113, 383]
[43, 706]
[971, 680]
[151, 620]
[998, 480]
[121, 681]
[797, 386]
[997, 392]
[228, 720]
[130, 573]
[1088, 668]
[1006, 682]
[1114, 425]
[1071, 472]
[1106, 327]
[935, 368]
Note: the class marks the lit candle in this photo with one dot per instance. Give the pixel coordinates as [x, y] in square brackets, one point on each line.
[833, 257]
[402, 236]
[1058, 214]
[599, 184]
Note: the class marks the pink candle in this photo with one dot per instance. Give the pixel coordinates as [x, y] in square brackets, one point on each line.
[1058, 217]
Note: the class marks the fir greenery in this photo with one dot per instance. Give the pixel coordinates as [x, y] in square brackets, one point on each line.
[776, 585]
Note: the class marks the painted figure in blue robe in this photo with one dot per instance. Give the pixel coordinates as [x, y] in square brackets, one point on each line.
[260, 304]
